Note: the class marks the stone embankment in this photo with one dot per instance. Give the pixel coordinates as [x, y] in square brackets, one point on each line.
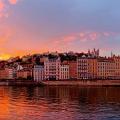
[17, 83]
[60, 83]
[84, 83]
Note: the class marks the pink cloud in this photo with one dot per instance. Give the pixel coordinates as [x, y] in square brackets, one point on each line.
[13, 2]
[82, 37]
[4, 7]
[69, 38]
[1, 5]
[106, 34]
[82, 34]
[93, 36]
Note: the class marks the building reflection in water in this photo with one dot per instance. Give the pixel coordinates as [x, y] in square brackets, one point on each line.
[40, 102]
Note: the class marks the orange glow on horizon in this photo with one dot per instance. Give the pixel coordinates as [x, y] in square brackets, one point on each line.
[6, 56]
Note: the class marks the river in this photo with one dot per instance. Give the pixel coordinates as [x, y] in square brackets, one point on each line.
[59, 103]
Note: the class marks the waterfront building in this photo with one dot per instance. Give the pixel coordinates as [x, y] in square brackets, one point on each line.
[51, 68]
[24, 74]
[3, 74]
[82, 67]
[116, 66]
[105, 68]
[73, 69]
[92, 68]
[10, 72]
[86, 67]
[64, 72]
[38, 73]
[54, 66]
[6, 73]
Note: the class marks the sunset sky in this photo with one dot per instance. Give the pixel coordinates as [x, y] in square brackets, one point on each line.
[35, 26]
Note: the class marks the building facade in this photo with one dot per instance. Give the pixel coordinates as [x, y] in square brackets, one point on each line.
[7, 73]
[82, 68]
[24, 74]
[52, 67]
[92, 68]
[117, 67]
[38, 73]
[64, 72]
[105, 68]
[73, 70]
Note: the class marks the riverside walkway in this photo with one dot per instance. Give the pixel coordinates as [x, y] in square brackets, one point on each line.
[60, 83]
[84, 83]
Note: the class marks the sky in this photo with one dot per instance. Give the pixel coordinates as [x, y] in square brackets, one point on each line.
[36, 26]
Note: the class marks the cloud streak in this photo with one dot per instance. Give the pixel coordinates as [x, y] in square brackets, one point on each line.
[84, 37]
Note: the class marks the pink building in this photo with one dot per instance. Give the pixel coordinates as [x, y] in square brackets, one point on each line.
[7, 73]
[51, 68]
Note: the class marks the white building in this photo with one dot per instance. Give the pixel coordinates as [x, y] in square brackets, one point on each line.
[10, 73]
[52, 67]
[64, 72]
[38, 73]
[19, 67]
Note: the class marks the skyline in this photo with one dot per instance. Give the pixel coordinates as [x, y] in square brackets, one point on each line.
[29, 26]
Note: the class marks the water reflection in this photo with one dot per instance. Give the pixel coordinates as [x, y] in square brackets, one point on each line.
[73, 103]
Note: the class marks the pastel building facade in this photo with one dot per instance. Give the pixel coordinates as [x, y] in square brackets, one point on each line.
[73, 70]
[24, 74]
[105, 68]
[82, 68]
[64, 72]
[38, 73]
[117, 67]
[92, 68]
[52, 68]
[6, 73]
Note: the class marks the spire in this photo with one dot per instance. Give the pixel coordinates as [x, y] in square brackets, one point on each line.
[111, 54]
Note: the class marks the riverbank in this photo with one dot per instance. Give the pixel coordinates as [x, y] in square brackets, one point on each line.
[18, 83]
[60, 83]
[83, 83]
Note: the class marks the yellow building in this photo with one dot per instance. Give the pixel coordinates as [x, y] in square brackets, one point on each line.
[117, 67]
[105, 68]
[92, 68]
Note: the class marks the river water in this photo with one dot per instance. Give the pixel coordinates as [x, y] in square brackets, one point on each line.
[60, 103]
